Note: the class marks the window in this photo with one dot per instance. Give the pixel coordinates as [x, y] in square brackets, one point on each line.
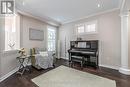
[87, 28]
[51, 39]
[12, 34]
[80, 28]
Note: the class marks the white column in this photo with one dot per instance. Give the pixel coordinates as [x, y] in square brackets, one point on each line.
[125, 69]
[58, 49]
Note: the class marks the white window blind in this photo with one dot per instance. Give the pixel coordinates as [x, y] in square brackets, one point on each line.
[12, 40]
[51, 39]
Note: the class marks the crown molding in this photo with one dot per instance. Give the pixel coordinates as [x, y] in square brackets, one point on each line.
[121, 4]
[56, 23]
[45, 20]
[99, 13]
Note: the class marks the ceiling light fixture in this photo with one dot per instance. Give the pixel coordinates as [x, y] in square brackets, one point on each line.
[23, 3]
[99, 5]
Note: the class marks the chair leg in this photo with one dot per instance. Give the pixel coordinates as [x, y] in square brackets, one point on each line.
[54, 65]
[72, 64]
[81, 65]
[69, 63]
[82, 62]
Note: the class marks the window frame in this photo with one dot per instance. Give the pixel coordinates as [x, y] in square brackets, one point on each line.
[53, 28]
[17, 33]
[85, 27]
[77, 26]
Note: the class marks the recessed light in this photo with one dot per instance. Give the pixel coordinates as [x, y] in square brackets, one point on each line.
[23, 3]
[99, 5]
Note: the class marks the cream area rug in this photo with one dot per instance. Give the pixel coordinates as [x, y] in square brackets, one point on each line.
[68, 77]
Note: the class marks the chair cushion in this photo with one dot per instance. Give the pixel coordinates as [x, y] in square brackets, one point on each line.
[37, 50]
[43, 53]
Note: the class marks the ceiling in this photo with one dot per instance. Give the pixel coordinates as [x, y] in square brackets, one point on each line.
[64, 11]
[126, 5]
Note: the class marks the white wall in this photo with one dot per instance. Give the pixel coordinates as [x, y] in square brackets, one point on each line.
[109, 35]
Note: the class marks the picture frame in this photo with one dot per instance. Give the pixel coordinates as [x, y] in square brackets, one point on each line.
[35, 34]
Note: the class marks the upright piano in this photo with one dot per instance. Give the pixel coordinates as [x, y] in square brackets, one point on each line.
[84, 51]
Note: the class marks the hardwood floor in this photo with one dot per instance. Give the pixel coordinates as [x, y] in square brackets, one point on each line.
[25, 80]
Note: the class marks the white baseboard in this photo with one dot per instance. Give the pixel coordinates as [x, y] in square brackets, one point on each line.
[108, 66]
[124, 71]
[8, 75]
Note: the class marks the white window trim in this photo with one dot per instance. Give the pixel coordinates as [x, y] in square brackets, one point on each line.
[55, 37]
[76, 26]
[15, 49]
[85, 24]
[10, 51]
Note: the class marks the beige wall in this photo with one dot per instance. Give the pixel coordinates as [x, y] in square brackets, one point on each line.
[8, 59]
[109, 35]
[8, 62]
[129, 38]
[1, 40]
[26, 23]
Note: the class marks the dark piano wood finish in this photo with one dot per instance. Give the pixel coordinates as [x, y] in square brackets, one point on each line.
[91, 50]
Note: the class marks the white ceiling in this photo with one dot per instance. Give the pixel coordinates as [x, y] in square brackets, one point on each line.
[64, 11]
[126, 5]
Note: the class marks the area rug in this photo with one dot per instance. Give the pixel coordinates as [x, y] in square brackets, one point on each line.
[67, 77]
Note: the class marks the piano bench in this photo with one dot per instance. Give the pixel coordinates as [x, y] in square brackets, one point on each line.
[77, 59]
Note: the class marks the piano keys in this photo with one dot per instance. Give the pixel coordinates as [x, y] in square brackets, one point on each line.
[86, 52]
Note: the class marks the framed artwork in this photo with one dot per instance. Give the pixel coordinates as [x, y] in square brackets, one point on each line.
[35, 34]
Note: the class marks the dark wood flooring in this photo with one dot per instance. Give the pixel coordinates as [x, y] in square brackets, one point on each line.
[25, 80]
